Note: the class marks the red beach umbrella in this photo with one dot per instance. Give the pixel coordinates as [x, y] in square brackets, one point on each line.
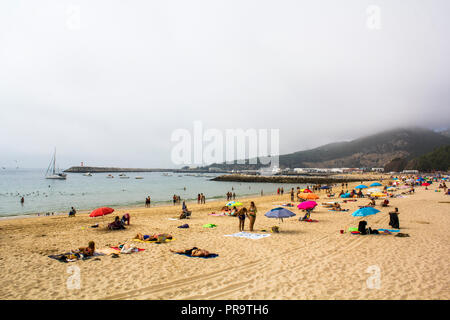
[307, 191]
[425, 184]
[101, 212]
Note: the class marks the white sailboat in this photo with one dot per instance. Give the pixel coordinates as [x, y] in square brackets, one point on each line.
[51, 170]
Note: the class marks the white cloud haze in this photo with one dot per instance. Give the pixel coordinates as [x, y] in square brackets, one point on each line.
[112, 91]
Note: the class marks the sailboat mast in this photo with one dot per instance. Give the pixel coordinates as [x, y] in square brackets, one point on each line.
[54, 161]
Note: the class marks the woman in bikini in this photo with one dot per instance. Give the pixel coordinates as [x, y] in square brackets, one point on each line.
[252, 214]
[87, 251]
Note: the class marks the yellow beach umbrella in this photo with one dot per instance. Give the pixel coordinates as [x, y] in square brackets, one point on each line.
[377, 194]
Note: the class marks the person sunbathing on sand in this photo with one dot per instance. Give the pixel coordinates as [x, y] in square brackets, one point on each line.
[153, 237]
[194, 252]
[371, 203]
[87, 251]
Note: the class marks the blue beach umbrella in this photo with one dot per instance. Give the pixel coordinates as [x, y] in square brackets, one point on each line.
[325, 187]
[366, 211]
[345, 195]
[361, 186]
[279, 213]
[376, 184]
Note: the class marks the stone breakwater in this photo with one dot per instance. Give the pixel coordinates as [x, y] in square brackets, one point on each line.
[79, 169]
[289, 179]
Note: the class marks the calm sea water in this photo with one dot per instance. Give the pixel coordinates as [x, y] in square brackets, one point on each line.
[85, 193]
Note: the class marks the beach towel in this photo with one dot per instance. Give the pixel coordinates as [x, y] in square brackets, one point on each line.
[129, 250]
[248, 235]
[173, 219]
[343, 210]
[217, 214]
[211, 255]
[309, 220]
[209, 225]
[390, 230]
[71, 257]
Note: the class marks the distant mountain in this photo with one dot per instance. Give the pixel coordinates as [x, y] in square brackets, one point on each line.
[438, 159]
[371, 151]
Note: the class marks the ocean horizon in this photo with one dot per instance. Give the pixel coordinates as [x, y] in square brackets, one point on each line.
[89, 192]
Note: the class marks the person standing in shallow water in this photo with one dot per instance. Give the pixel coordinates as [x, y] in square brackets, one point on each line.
[252, 215]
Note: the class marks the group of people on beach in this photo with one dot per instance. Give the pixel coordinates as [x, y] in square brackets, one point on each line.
[231, 196]
[201, 198]
[249, 213]
[147, 202]
[176, 199]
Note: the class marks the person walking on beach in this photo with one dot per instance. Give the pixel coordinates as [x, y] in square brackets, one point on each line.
[147, 202]
[234, 196]
[198, 198]
[241, 216]
[252, 215]
[22, 200]
[292, 195]
[203, 198]
[282, 190]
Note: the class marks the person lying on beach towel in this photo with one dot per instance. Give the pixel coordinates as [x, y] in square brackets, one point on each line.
[337, 207]
[74, 255]
[195, 252]
[116, 225]
[154, 237]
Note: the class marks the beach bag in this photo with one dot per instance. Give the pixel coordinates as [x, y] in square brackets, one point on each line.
[275, 229]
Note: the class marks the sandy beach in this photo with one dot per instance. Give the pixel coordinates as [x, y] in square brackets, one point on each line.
[303, 261]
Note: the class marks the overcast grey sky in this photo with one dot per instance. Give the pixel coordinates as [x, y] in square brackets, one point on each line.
[111, 89]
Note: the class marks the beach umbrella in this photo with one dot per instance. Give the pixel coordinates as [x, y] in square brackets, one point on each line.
[279, 213]
[234, 204]
[373, 190]
[361, 186]
[308, 196]
[325, 187]
[345, 195]
[377, 194]
[425, 184]
[306, 191]
[405, 187]
[376, 184]
[307, 205]
[366, 211]
[101, 212]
